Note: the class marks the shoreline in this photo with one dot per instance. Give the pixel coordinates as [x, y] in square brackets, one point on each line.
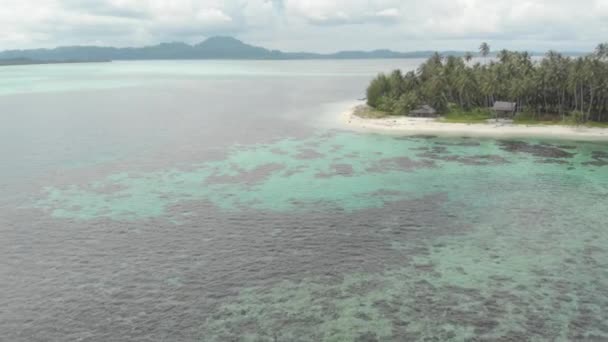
[415, 126]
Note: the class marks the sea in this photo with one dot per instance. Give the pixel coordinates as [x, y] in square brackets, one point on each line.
[224, 201]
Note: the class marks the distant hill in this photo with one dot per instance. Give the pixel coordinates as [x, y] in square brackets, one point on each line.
[212, 48]
[28, 61]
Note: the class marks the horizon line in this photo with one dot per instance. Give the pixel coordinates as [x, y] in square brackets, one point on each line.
[474, 51]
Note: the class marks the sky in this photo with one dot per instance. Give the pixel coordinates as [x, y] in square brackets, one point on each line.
[309, 25]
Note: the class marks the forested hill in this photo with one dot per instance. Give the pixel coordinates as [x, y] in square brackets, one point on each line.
[212, 48]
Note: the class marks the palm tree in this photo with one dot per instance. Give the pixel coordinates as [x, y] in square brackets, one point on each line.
[468, 57]
[601, 51]
[557, 86]
[484, 49]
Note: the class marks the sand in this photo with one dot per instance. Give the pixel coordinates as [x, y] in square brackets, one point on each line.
[501, 129]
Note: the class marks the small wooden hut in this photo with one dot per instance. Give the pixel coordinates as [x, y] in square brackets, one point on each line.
[425, 111]
[504, 109]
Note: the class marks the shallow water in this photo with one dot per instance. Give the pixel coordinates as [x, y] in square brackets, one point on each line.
[201, 203]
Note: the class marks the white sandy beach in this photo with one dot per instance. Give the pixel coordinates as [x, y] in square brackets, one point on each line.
[408, 125]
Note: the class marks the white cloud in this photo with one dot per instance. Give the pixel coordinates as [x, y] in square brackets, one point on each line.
[309, 24]
[342, 11]
[213, 15]
[389, 13]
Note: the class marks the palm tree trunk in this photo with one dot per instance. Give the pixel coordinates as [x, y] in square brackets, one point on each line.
[561, 105]
[582, 100]
[590, 104]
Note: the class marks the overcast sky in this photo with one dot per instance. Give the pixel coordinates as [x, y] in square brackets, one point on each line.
[312, 25]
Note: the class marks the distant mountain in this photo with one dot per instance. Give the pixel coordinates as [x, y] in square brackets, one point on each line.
[212, 48]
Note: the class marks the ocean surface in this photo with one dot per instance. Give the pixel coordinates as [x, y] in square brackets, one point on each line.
[223, 201]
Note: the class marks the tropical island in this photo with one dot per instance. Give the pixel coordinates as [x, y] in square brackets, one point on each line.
[510, 94]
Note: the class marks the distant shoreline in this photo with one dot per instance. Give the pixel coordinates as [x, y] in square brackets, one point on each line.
[27, 61]
[413, 126]
[219, 47]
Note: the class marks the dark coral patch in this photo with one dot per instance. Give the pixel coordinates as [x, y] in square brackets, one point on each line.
[466, 143]
[599, 155]
[434, 153]
[422, 148]
[254, 176]
[400, 164]
[552, 161]
[600, 158]
[385, 192]
[344, 170]
[598, 162]
[367, 337]
[485, 159]
[439, 153]
[336, 148]
[538, 150]
[107, 189]
[423, 136]
[440, 149]
[308, 153]
[279, 151]
[416, 137]
[293, 171]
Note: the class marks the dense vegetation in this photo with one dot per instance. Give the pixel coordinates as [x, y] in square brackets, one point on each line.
[556, 87]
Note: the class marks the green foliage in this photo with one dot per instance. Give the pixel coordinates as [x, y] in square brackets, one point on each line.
[386, 103]
[395, 84]
[549, 89]
[406, 103]
[601, 51]
[377, 89]
[578, 117]
[458, 115]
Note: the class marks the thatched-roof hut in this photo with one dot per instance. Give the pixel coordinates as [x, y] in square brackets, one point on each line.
[424, 111]
[504, 108]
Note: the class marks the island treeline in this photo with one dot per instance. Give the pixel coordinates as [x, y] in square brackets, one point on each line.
[556, 86]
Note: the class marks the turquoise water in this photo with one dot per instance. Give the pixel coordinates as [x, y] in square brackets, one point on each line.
[517, 244]
[170, 211]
